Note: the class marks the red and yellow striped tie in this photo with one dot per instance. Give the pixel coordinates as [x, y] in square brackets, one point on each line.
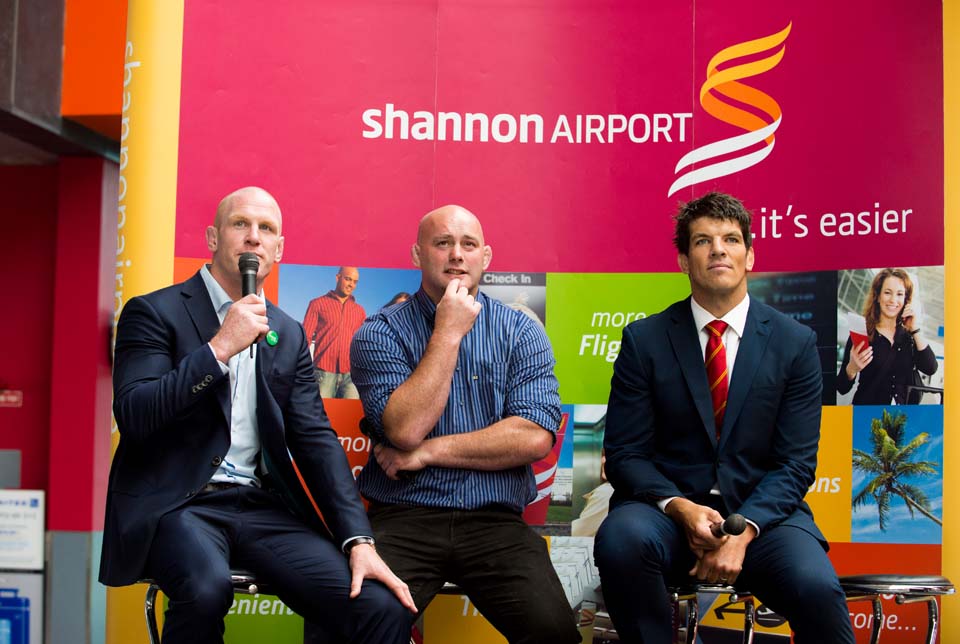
[716, 361]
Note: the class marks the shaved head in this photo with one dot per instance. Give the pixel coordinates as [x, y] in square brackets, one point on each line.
[248, 193]
[443, 214]
[347, 278]
[247, 221]
[450, 247]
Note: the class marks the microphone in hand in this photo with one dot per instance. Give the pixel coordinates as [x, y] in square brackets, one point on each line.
[249, 265]
[733, 525]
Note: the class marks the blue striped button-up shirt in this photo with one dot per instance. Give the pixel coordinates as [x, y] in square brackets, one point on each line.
[504, 368]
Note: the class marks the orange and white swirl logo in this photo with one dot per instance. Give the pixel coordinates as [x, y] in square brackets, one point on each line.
[721, 96]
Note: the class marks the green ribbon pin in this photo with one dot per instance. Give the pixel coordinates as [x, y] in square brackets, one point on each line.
[272, 338]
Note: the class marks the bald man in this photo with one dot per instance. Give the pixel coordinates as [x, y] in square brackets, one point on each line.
[460, 398]
[202, 480]
[330, 322]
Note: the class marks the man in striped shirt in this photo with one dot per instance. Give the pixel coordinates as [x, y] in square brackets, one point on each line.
[330, 322]
[460, 398]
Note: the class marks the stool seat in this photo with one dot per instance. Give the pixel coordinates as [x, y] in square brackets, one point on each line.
[906, 589]
[243, 582]
[897, 584]
[704, 587]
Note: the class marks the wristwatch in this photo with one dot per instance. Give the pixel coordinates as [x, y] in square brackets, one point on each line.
[356, 542]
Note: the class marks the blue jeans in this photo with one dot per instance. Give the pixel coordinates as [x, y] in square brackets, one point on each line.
[335, 385]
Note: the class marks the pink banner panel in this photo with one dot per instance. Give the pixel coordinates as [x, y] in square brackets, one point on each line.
[572, 128]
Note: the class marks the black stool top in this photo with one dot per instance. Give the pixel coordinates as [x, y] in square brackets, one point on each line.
[903, 584]
[242, 581]
[692, 587]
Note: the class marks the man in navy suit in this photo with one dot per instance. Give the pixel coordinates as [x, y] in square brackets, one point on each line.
[684, 450]
[203, 480]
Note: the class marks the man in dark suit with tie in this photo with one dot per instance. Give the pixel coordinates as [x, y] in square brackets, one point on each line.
[715, 409]
[203, 480]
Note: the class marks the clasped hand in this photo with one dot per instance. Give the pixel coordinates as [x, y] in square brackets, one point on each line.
[719, 559]
[245, 323]
[394, 462]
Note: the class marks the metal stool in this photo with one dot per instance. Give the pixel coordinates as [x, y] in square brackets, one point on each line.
[687, 594]
[906, 589]
[243, 582]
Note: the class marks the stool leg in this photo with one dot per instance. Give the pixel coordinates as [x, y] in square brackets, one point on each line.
[749, 614]
[877, 619]
[693, 619]
[933, 619]
[149, 610]
[675, 617]
[691, 616]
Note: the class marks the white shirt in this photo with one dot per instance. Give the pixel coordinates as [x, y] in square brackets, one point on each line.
[240, 462]
[736, 319]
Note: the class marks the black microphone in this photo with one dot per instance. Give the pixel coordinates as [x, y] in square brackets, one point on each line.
[733, 525]
[249, 265]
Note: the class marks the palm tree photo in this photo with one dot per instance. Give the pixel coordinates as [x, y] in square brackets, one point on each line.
[890, 467]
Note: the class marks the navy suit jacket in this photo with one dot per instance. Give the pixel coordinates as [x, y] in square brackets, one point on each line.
[660, 438]
[172, 406]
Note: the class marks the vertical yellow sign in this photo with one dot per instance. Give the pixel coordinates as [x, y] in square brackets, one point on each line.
[149, 136]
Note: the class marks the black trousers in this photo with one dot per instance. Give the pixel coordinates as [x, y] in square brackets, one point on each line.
[502, 565]
[245, 527]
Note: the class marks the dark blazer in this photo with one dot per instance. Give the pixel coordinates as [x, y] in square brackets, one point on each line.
[172, 406]
[660, 438]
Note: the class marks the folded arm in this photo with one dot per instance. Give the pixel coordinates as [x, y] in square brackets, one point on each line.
[511, 442]
[415, 406]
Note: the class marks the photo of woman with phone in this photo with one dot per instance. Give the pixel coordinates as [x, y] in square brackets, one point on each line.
[885, 366]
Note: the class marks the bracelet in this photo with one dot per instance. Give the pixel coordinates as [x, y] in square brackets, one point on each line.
[914, 332]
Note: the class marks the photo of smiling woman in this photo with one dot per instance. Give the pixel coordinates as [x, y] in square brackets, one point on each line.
[884, 362]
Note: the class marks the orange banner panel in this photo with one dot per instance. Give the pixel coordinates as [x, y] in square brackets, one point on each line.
[93, 37]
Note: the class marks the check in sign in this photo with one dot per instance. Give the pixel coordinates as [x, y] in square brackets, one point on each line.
[21, 529]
